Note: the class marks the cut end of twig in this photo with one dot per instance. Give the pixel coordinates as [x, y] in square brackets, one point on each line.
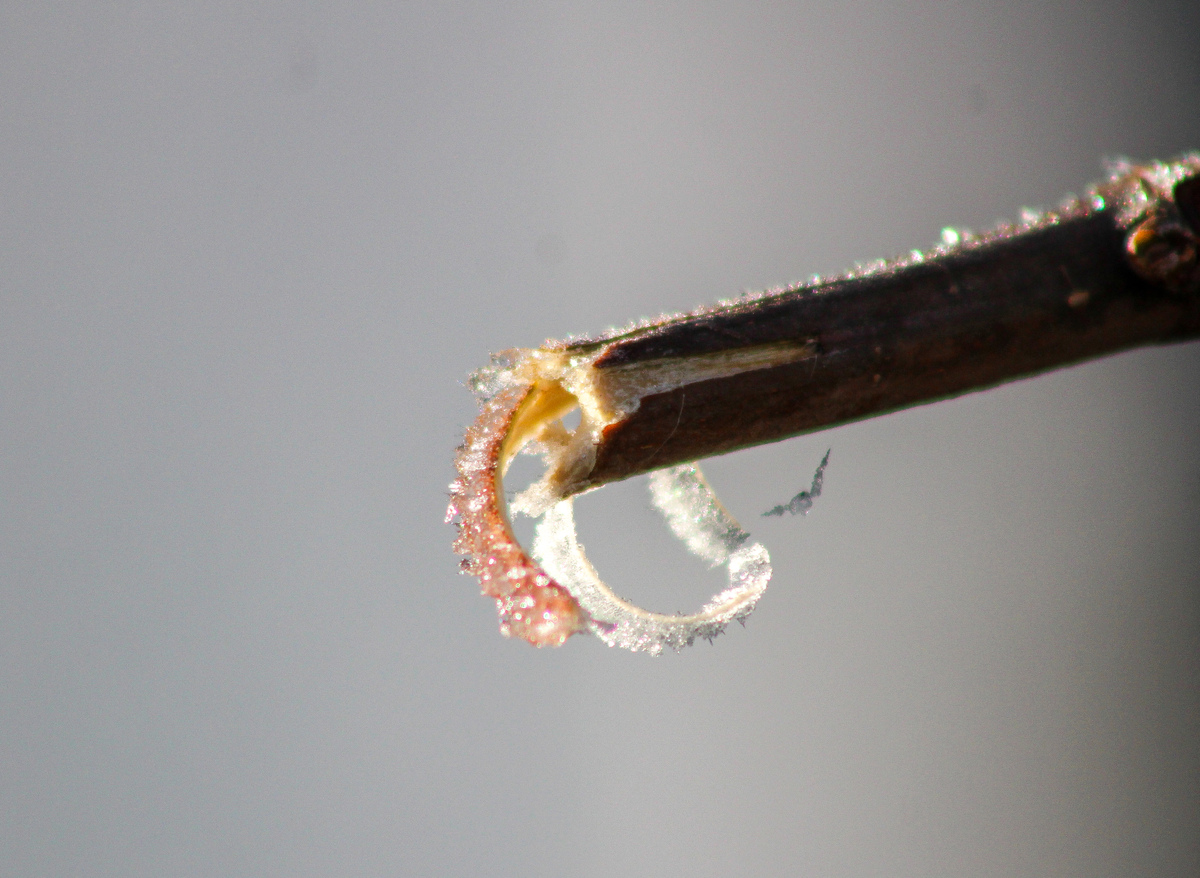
[545, 601]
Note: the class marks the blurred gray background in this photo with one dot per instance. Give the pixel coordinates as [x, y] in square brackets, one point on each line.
[250, 252]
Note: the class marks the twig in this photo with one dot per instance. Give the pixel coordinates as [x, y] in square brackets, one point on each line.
[1114, 270]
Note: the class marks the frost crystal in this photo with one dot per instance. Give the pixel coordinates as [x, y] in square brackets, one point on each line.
[803, 501]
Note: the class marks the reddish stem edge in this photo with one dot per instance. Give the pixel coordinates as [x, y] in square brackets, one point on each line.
[530, 603]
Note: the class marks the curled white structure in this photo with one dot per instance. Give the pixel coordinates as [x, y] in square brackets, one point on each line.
[697, 518]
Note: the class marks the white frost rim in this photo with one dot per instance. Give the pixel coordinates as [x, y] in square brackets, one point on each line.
[695, 515]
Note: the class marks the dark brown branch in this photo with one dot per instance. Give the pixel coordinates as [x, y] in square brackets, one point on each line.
[1114, 271]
